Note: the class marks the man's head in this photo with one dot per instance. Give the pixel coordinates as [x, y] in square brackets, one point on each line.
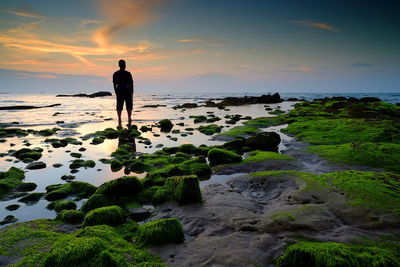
[122, 64]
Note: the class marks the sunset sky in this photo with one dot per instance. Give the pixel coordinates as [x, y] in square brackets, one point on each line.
[200, 46]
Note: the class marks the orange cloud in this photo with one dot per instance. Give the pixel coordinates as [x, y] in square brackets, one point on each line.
[319, 25]
[303, 69]
[191, 40]
[122, 13]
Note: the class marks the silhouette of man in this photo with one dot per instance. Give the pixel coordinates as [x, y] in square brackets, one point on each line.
[123, 87]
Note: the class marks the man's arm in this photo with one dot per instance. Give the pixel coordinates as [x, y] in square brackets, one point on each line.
[131, 83]
[131, 87]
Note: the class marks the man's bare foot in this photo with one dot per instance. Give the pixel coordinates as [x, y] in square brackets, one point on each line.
[119, 124]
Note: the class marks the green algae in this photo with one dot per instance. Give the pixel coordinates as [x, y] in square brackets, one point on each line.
[48, 132]
[337, 254]
[110, 215]
[187, 148]
[78, 163]
[210, 129]
[380, 191]
[380, 155]
[221, 156]
[160, 232]
[70, 216]
[77, 188]
[116, 165]
[10, 180]
[276, 112]
[123, 186]
[258, 155]
[185, 189]
[238, 131]
[95, 201]
[64, 205]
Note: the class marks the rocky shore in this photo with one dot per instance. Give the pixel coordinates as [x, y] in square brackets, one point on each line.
[328, 197]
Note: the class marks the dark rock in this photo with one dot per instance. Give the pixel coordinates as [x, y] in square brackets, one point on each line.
[239, 101]
[25, 187]
[186, 105]
[97, 94]
[82, 149]
[27, 107]
[138, 214]
[9, 219]
[12, 207]
[36, 165]
[370, 99]
[153, 106]
[264, 141]
[292, 99]
[57, 165]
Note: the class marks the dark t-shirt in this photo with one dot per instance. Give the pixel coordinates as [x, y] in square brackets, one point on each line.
[123, 80]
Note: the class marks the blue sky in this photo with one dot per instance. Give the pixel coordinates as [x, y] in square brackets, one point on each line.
[201, 46]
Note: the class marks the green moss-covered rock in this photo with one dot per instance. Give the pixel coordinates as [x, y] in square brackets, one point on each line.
[170, 150]
[43, 243]
[160, 232]
[76, 155]
[97, 140]
[210, 129]
[116, 165]
[94, 202]
[257, 156]
[268, 141]
[64, 205]
[48, 132]
[238, 131]
[10, 180]
[266, 121]
[70, 216]
[78, 163]
[77, 188]
[31, 198]
[26, 187]
[221, 156]
[198, 119]
[185, 189]
[124, 186]
[122, 153]
[111, 215]
[165, 125]
[187, 148]
[336, 254]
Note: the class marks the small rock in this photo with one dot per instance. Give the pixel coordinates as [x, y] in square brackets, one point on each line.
[82, 149]
[12, 207]
[138, 214]
[9, 219]
[36, 165]
[57, 165]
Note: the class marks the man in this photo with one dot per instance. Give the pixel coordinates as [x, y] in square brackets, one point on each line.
[123, 87]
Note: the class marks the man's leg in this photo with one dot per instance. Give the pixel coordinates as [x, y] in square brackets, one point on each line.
[119, 118]
[129, 116]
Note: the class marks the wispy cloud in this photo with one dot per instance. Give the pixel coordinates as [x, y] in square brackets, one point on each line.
[192, 40]
[361, 65]
[123, 13]
[46, 76]
[25, 12]
[314, 24]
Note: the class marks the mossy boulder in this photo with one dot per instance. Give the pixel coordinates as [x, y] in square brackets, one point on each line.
[185, 189]
[48, 132]
[161, 232]
[95, 201]
[116, 165]
[77, 188]
[31, 198]
[10, 179]
[64, 205]
[221, 156]
[210, 129]
[170, 150]
[78, 163]
[110, 215]
[124, 186]
[187, 148]
[268, 141]
[26, 187]
[165, 125]
[70, 216]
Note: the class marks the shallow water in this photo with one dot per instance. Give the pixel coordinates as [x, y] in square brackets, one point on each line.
[82, 116]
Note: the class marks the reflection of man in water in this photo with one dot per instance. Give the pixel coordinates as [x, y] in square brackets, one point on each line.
[123, 87]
